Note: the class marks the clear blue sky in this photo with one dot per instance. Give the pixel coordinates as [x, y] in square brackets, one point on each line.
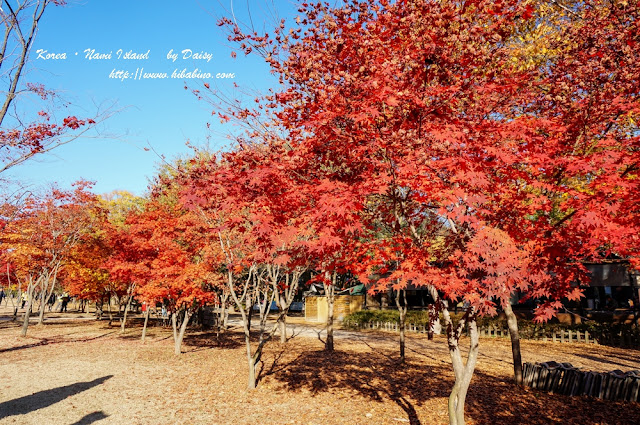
[160, 113]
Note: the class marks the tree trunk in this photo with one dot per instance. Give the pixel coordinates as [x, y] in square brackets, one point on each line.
[403, 314]
[512, 323]
[223, 313]
[329, 345]
[27, 313]
[252, 371]
[46, 293]
[241, 303]
[99, 306]
[463, 371]
[255, 359]
[18, 301]
[433, 311]
[110, 311]
[284, 296]
[124, 317]
[283, 329]
[402, 310]
[146, 320]
[329, 291]
[249, 314]
[225, 319]
[25, 322]
[127, 307]
[436, 326]
[251, 383]
[283, 306]
[178, 338]
[255, 291]
[42, 306]
[16, 307]
[174, 326]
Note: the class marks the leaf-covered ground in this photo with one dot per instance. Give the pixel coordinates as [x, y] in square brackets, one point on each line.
[84, 372]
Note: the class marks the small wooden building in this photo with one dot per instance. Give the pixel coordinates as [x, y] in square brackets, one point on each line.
[316, 308]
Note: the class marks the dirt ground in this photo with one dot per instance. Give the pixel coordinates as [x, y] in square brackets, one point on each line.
[83, 372]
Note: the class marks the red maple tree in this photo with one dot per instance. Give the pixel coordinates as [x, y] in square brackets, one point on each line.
[492, 177]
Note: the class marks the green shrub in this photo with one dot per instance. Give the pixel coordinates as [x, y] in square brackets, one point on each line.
[357, 319]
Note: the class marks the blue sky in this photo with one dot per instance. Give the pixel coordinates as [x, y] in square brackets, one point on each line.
[155, 112]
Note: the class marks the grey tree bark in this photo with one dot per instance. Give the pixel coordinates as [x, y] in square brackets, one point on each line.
[146, 320]
[27, 313]
[329, 292]
[285, 286]
[46, 292]
[402, 310]
[179, 336]
[127, 306]
[512, 324]
[463, 371]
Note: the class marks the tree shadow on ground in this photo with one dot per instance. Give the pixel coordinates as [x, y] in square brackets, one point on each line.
[611, 358]
[132, 336]
[208, 339]
[492, 399]
[134, 327]
[498, 401]
[43, 341]
[132, 323]
[46, 398]
[197, 340]
[17, 324]
[59, 339]
[375, 376]
[8, 324]
[91, 418]
[605, 361]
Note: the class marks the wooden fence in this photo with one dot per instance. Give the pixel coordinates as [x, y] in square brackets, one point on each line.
[567, 336]
[555, 336]
[387, 326]
[563, 378]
